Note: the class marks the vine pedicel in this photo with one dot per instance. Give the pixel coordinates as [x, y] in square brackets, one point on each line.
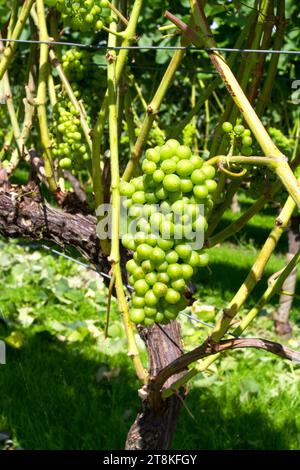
[165, 227]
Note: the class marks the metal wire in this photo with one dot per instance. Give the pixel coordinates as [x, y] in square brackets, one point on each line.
[107, 276]
[172, 48]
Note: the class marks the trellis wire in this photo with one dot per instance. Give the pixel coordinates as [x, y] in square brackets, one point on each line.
[172, 48]
[107, 276]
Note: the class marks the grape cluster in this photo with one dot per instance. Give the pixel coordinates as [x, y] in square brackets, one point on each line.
[68, 141]
[75, 64]
[164, 205]
[240, 136]
[83, 15]
[283, 142]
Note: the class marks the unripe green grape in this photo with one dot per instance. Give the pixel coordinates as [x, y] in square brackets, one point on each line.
[159, 317]
[135, 211]
[160, 289]
[165, 244]
[148, 167]
[155, 220]
[141, 287]
[153, 155]
[166, 229]
[151, 198]
[194, 259]
[157, 255]
[144, 251]
[172, 296]
[196, 161]
[168, 166]
[198, 177]
[163, 277]
[138, 183]
[187, 271]
[161, 193]
[137, 302]
[247, 133]
[174, 271]
[239, 129]
[247, 151]
[162, 267]
[138, 197]
[183, 250]
[150, 298]
[158, 176]
[131, 266]
[227, 127]
[172, 257]
[170, 314]
[247, 141]
[179, 285]
[65, 163]
[184, 168]
[186, 185]
[183, 152]
[137, 315]
[150, 312]
[211, 185]
[171, 183]
[126, 189]
[166, 152]
[200, 191]
[203, 259]
[151, 278]
[149, 321]
[173, 144]
[208, 171]
[151, 240]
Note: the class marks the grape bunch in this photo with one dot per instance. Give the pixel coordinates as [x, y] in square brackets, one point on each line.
[75, 64]
[83, 15]
[164, 208]
[240, 136]
[69, 144]
[283, 142]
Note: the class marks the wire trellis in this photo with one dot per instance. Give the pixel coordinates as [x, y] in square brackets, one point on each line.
[151, 47]
[107, 276]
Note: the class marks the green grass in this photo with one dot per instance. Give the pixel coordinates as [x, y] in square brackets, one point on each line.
[65, 387]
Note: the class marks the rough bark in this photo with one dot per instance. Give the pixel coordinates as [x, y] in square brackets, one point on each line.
[281, 316]
[24, 214]
[154, 426]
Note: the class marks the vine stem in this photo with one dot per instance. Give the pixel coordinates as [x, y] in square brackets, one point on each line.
[42, 97]
[279, 164]
[210, 89]
[132, 347]
[114, 257]
[152, 110]
[98, 129]
[9, 50]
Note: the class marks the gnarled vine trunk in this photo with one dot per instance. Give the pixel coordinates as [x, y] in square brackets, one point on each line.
[154, 426]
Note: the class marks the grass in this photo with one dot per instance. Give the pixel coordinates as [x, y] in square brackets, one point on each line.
[65, 387]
